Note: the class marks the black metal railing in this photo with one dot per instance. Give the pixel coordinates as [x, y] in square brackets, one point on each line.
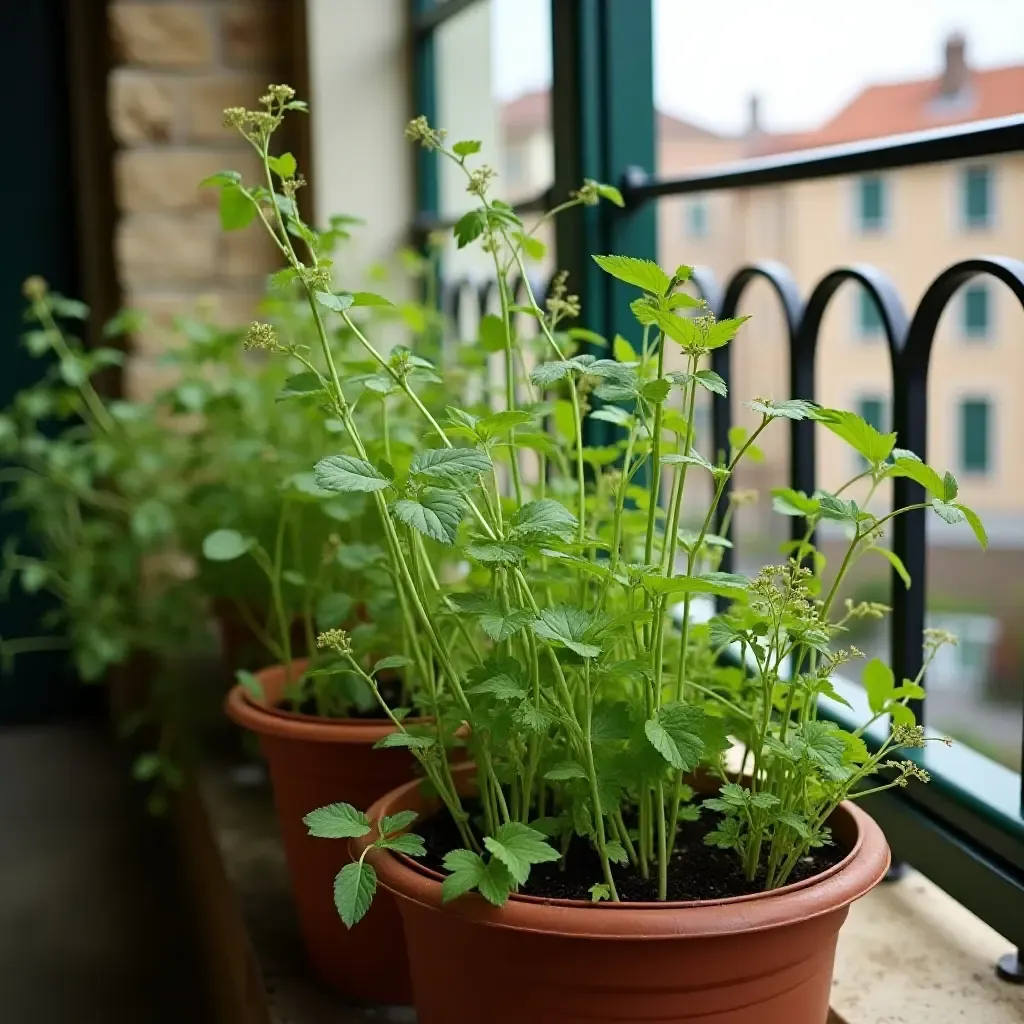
[966, 829]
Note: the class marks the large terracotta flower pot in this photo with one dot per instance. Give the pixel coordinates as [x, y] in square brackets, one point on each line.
[315, 761]
[759, 959]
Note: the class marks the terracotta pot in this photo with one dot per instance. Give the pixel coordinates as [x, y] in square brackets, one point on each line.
[760, 959]
[312, 762]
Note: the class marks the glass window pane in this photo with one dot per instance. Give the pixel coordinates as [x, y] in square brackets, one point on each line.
[976, 311]
[869, 315]
[872, 203]
[977, 183]
[871, 409]
[974, 435]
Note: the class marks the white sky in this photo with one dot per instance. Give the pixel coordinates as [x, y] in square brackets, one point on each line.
[805, 58]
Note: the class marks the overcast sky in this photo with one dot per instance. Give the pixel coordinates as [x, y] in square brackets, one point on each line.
[805, 58]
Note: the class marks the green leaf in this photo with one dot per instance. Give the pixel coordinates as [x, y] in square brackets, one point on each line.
[611, 193]
[656, 391]
[237, 210]
[73, 371]
[226, 545]
[337, 303]
[565, 770]
[950, 488]
[337, 821]
[152, 520]
[678, 732]
[534, 248]
[284, 166]
[788, 502]
[693, 459]
[501, 422]
[723, 331]
[391, 661]
[437, 514]
[353, 891]
[711, 381]
[544, 374]
[613, 414]
[391, 823]
[405, 740]
[950, 513]
[469, 227]
[346, 473]
[496, 554]
[221, 179]
[725, 584]
[623, 351]
[370, 299]
[878, 682]
[502, 686]
[896, 562]
[499, 626]
[569, 627]
[449, 464]
[794, 409]
[306, 383]
[643, 274]
[410, 844]
[599, 891]
[822, 744]
[543, 518]
[875, 446]
[250, 684]
[467, 869]
[333, 610]
[519, 847]
[492, 333]
[836, 509]
[467, 147]
[916, 470]
[974, 520]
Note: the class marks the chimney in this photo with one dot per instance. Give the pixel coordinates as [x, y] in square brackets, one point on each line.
[754, 115]
[954, 74]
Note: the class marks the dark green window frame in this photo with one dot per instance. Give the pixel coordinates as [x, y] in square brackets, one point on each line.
[872, 203]
[976, 197]
[975, 435]
[977, 310]
[869, 316]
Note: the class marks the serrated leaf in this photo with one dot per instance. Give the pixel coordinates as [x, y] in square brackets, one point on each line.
[916, 470]
[499, 626]
[611, 193]
[409, 843]
[793, 409]
[616, 852]
[354, 888]
[837, 509]
[396, 822]
[337, 303]
[284, 165]
[875, 446]
[467, 147]
[501, 686]
[346, 473]
[519, 847]
[950, 513]
[565, 770]
[599, 891]
[337, 821]
[469, 227]
[370, 299]
[501, 422]
[467, 869]
[950, 488]
[694, 458]
[723, 331]
[974, 520]
[495, 884]
[656, 391]
[496, 554]
[643, 274]
[677, 733]
[437, 514]
[391, 661]
[449, 464]
[543, 518]
[307, 383]
[789, 502]
[724, 584]
[613, 414]
[226, 545]
[711, 381]
[405, 740]
[569, 627]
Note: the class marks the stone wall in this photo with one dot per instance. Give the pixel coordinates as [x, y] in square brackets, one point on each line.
[176, 66]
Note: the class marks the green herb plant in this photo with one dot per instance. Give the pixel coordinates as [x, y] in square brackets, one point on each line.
[571, 656]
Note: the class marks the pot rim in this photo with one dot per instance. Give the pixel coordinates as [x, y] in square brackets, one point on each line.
[831, 890]
[263, 718]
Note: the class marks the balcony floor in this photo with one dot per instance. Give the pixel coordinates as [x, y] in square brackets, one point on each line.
[92, 923]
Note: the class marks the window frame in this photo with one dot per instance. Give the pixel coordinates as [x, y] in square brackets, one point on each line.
[987, 333]
[701, 202]
[963, 220]
[965, 399]
[885, 220]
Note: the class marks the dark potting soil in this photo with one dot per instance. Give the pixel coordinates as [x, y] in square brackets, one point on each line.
[696, 871]
[390, 689]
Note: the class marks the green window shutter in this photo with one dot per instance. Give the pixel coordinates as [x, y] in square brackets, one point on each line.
[869, 316]
[977, 197]
[871, 409]
[976, 311]
[697, 217]
[975, 428]
[871, 208]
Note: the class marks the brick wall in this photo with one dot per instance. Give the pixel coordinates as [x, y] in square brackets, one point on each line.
[177, 65]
